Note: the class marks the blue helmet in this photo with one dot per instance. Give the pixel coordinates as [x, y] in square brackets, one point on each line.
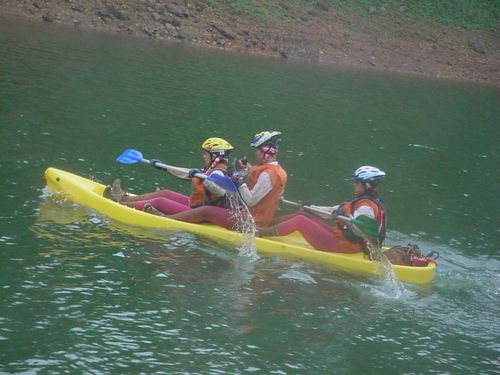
[369, 174]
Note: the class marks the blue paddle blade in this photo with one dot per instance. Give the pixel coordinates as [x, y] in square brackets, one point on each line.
[130, 156]
[224, 182]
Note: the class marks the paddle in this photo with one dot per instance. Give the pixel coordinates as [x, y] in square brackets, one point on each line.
[132, 156]
[362, 225]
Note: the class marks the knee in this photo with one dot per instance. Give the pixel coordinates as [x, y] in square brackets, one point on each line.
[203, 209]
[157, 201]
[301, 219]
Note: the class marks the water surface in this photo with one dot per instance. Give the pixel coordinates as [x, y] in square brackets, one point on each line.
[82, 294]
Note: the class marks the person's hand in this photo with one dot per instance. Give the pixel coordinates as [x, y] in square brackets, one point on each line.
[154, 163]
[193, 171]
[242, 163]
[300, 205]
[239, 178]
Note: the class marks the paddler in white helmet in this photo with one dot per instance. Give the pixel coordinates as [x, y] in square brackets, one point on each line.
[338, 236]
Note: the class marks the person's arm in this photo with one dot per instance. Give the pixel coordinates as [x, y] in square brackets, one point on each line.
[364, 210]
[263, 186]
[213, 187]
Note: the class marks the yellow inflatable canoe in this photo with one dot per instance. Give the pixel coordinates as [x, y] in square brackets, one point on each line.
[88, 193]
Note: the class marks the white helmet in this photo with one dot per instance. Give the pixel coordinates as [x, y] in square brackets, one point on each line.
[366, 173]
[266, 138]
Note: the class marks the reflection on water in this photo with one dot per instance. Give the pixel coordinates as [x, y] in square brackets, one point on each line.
[60, 221]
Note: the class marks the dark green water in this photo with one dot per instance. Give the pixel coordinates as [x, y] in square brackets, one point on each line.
[80, 294]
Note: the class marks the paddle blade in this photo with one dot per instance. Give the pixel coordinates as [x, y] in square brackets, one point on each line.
[130, 156]
[366, 225]
[224, 182]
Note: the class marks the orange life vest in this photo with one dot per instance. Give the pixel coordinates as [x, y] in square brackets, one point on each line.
[201, 196]
[263, 212]
[342, 232]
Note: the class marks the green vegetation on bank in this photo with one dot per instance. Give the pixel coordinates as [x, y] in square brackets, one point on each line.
[470, 14]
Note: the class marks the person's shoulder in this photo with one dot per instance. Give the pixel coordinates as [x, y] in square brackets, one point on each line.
[281, 170]
[217, 171]
[367, 202]
[365, 199]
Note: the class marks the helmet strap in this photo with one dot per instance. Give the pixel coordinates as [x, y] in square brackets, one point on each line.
[369, 188]
[213, 163]
[268, 152]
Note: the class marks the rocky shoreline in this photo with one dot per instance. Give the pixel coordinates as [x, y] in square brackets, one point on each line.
[319, 34]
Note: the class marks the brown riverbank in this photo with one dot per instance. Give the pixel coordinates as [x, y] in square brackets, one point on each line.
[321, 34]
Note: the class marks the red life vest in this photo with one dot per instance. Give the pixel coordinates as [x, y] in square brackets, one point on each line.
[201, 196]
[263, 212]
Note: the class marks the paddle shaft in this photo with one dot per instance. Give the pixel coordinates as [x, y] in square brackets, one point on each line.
[315, 210]
[131, 156]
[177, 170]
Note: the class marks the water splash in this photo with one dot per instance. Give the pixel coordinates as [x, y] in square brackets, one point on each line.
[383, 267]
[245, 224]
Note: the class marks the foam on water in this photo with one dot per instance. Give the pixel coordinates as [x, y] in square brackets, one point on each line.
[244, 224]
[383, 267]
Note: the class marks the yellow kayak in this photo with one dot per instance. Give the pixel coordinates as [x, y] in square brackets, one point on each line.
[88, 193]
